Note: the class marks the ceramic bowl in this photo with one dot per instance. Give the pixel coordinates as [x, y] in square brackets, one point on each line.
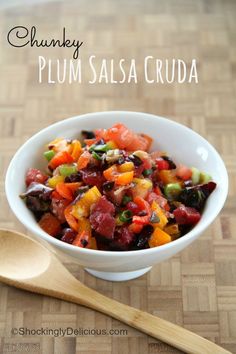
[182, 143]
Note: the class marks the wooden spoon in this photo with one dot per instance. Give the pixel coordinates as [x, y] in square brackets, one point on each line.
[26, 264]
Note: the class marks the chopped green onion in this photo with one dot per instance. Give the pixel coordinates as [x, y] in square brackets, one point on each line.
[67, 170]
[96, 156]
[205, 177]
[172, 190]
[154, 218]
[147, 172]
[91, 149]
[195, 175]
[49, 154]
[98, 148]
[126, 199]
[125, 216]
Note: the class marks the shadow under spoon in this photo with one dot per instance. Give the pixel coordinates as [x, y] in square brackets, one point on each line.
[28, 265]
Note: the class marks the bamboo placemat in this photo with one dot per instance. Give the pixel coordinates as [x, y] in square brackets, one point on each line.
[195, 289]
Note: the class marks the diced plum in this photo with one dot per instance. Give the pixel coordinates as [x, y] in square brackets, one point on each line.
[186, 215]
[58, 207]
[138, 170]
[93, 177]
[132, 207]
[162, 164]
[123, 239]
[103, 223]
[35, 175]
[68, 235]
[103, 206]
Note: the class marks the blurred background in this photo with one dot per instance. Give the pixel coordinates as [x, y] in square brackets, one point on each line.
[197, 288]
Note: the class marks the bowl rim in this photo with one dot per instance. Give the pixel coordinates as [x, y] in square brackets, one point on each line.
[66, 246]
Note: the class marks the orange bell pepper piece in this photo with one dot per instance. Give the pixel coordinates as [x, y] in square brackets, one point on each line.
[111, 173]
[124, 178]
[158, 238]
[126, 167]
[73, 186]
[50, 224]
[168, 176]
[83, 160]
[161, 214]
[82, 207]
[90, 142]
[71, 220]
[84, 225]
[93, 243]
[148, 139]
[83, 239]
[60, 158]
[76, 149]
[135, 228]
[64, 191]
[143, 206]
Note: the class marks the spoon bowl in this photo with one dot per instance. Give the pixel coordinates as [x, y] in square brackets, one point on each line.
[26, 264]
[31, 260]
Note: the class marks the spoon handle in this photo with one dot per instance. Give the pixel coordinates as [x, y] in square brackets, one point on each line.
[156, 327]
[73, 291]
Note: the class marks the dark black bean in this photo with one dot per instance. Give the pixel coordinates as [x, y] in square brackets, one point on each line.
[142, 238]
[147, 230]
[84, 242]
[136, 160]
[121, 160]
[108, 186]
[141, 243]
[88, 134]
[74, 177]
[184, 229]
[79, 193]
[172, 165]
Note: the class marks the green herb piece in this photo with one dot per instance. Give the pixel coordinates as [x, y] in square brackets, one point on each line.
[96, 156]
[195, 175]
[172, 190]
[125, 216]
[99, 148]
[205, 177]
[67, 170]
[126, 199]
[147, 172]
[49, 154]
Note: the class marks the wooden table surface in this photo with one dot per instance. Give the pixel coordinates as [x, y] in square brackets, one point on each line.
[195, 289]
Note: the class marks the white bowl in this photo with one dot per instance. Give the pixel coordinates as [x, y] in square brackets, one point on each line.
[182, 143]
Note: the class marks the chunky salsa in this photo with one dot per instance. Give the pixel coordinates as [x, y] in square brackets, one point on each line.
[106, 191]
